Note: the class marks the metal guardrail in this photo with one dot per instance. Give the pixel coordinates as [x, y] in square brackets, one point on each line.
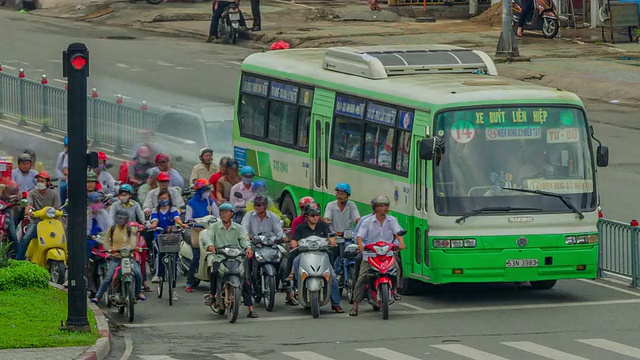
[619, 249]
[110, 122]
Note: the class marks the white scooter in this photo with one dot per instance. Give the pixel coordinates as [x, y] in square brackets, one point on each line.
[314, 274]
[186, 252]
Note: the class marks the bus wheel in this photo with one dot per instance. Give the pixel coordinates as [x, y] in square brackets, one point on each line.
[288, 208]
[543, 285]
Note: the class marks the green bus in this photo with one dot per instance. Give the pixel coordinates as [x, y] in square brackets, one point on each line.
[494, 179]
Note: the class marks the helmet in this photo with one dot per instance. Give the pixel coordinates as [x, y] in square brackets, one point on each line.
[153, 172]
[44, 175]
[95, 197]
[125, 188]
[380, 200]
[66, 141]
[311, 209]
[200, 183]
[121, 216]
[164, 176]
[260, 200]
[259, 184]
[162, 157]
[232, 164]
[102, 156]
[24, 157]
[304, 201]
[224, 160]
[344, 187]
[204, 151]
[227, 206]
[91, 176]
[247, 170]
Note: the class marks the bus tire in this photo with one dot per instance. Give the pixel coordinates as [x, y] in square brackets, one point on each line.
[543, 285]
[288, 208]
[406, 286]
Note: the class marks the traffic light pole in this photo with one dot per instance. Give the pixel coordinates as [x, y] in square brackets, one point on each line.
[76, 70]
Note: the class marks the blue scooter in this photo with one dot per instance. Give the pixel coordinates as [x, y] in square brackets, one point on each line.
[345, 264]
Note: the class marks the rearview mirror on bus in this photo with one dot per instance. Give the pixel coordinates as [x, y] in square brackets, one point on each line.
[602, 156]
[427, 147]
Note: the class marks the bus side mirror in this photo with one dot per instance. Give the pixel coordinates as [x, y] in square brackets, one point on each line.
[602, 156]
[427, 147]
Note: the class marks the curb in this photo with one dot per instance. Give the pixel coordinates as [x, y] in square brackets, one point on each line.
[101, 349]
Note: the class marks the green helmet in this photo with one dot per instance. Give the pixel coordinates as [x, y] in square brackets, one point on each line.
[91, 176]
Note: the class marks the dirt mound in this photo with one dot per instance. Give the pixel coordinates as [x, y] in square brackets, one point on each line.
[492, 17]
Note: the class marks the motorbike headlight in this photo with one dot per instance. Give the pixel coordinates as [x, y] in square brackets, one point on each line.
[259, 257]
[381, 250]
[51, 213]
[125, 253]
[348, 234]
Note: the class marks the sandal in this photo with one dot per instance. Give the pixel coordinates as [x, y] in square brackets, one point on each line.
[353, 312]
[337, 309]
[142, 297]
[95, 300]
[208, 300]
[147, 289]
[292, 302]
[397, 296]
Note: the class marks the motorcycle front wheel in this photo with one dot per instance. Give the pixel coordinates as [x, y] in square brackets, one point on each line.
[550, 28]
[131, 301]
[270, 293]
[233, 302]
[315, 305]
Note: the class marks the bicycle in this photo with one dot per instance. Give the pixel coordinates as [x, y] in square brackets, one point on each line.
[169, 244]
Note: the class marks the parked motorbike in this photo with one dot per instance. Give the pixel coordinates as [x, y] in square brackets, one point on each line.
[314, 274]
[266, 268]
[229, 24]
[382, 275]
[122, 292]
[5, 209]
[230, 278]
[186, 252]
[346, 264]
[51, 249]
[543, 17]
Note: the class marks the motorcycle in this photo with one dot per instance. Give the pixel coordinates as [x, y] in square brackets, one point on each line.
[382, 276]
[543, 17]
[122, 292]
[266, 268]
[346, 264]
[314, 274]
[186, 252]
[230, 278]
[51, 249]
[97, 262]
[5, 208]
[229, 24]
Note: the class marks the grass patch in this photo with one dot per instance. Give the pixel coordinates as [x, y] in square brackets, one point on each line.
[31, 319]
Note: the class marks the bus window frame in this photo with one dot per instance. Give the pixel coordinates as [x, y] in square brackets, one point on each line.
[269, 100]
[396, 131]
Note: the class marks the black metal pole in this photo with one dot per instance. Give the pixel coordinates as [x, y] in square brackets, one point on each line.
[76, 69]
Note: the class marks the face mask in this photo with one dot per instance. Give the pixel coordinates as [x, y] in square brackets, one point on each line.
[206, 194]
[164, 202]
[102, 167]
[247, 181]
[96, 207]
[124, 198]
[41, 186]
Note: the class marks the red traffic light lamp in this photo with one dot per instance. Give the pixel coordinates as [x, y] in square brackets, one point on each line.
[78, 62]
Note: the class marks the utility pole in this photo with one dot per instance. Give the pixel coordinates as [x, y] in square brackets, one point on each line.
[507, 45]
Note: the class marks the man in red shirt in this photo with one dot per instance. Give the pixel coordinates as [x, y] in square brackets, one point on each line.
[213, 180]
[300, 219]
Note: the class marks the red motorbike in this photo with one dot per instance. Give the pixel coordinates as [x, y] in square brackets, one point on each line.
[98, 265]
[5, 208]
[141, 251]
[382, 276]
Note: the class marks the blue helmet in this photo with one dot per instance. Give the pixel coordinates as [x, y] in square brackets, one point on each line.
[227, 206]
[259, 185]
[66, 141]
[247, 170]
[126, 188]
[95, 197]
[344, 187]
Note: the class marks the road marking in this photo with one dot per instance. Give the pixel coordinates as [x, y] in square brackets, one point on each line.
[60, 81]
[124, 97]
[160, 62]
[9, 67]
[122, 65]
[156, 357]
[235, 356]
[306, 355]
[386, 354]
[411, 306]
[234, 62]
[54, 61]
[399, 312]
[612, 287]
[543, 351]
[468, 352]
[613, 346]
[292, 3]
[128, 347]
[183, 68]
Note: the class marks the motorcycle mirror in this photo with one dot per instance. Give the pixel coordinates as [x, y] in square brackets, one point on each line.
[238, 194]
[179, 159]
[108, 165]
[332, 234]
[401, 232]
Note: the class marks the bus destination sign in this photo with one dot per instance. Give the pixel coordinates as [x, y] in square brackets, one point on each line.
[349, 107]
[515, 116]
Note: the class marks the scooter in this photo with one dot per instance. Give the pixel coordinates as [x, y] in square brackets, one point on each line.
[51, 249]
[346, 266]
[186, 252]
[230, 278]
[5, 208]
[314, 274]
[265, 272]
[229, 24]
[543, 17]
[382, 275]
[97, 262]
[122, 292]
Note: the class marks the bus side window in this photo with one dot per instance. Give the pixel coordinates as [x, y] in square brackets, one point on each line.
[379, 145]
[282, 122]
[304, 120]
[403, 150]
[348, 138]
[252, 114]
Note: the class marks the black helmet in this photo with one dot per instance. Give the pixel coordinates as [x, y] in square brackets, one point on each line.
[24, 157]
[311, 209]
[260, 200]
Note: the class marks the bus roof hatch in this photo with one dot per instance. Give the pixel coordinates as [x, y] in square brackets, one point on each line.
[380, 62]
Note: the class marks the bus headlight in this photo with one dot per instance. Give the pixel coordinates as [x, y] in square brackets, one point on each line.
[582, 239]
[470, 243]
[570, 240]
[457, 243]
[441, 244]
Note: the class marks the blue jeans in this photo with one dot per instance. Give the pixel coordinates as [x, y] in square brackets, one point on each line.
[29, 234]
[113, 264]
[11, 235]
[63, 191]
[193, 267]
[335, 288]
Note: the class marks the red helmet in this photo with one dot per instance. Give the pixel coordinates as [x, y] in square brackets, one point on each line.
[304, 201]
[162, 157]
[164, 176]
[200, 183]
[102, 156]
[45, 175]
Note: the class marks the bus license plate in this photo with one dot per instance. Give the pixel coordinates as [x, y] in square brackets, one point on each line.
[522, 263]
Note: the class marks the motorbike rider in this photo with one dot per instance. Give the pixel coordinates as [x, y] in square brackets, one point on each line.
[224, 233]
[245, 188]
[117, 237]
[151, 201]
[314, 226]
[260, 188]
[226, 182]
[300, 219]
[141, 164]
[341, 214]
[381, 226]
[206, 168]
[98, 221]
[38, 198]
[24, 175]
[105, 179]
[164, 216]
[219, 6]
[38, 166]
[9, 192]
[213, 180]
[62, 168]
[200, 205]
[152, 183]
[527, 9]
[92, 182]
[163, 163]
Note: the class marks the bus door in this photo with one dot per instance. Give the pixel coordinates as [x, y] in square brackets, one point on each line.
[322, 130]
[419, 232]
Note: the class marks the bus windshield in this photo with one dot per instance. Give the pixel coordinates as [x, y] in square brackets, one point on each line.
[535, 147]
